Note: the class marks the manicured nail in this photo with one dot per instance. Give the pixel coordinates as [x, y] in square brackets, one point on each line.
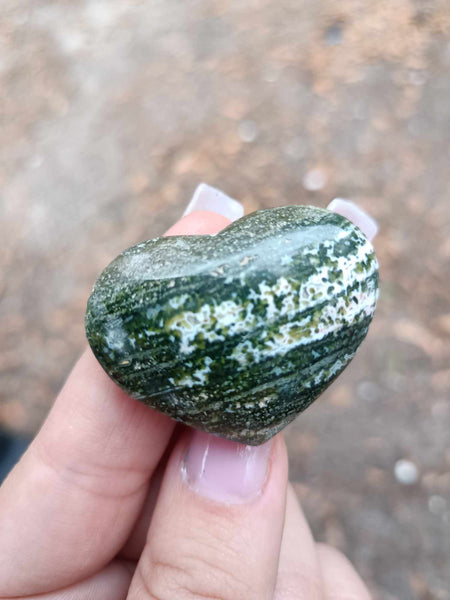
[208, 198]
[356, 215]
[225, 471]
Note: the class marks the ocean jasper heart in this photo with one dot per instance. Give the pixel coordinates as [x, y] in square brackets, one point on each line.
[238, 332]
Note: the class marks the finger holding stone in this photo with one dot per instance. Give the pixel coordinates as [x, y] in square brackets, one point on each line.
[299, 576]
[340, 580]
[70, 504]
[135, 543]
[356, 215]
[217, 526]
[67, 507]
[111, 583]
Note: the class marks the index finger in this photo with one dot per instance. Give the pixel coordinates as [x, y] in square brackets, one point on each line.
[70, 503]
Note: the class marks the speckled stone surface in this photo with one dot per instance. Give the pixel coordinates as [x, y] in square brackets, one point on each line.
[236, 333]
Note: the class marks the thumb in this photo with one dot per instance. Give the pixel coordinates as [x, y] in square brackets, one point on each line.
[217, 526]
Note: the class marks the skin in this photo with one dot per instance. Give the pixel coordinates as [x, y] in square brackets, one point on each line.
[75, 511]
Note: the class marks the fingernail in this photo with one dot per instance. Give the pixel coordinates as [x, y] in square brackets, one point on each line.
[209, 198]
[225, 471]
[356, 215]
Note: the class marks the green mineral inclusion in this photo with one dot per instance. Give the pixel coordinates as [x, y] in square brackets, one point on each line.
[238, 332]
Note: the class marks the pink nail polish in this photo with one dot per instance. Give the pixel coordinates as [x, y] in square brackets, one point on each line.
[225, 471]
[356, 215]
[207, 197]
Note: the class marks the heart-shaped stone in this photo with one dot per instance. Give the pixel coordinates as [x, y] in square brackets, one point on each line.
[238, 332]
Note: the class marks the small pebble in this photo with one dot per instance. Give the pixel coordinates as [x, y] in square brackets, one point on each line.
[295, 149]
[333, 35]
[396, 382]
[406, 472]
[368, 391]
[437, 505]
[417, 77]
[248, 131]
[36, 161]
[271, 74]
[314, 180]
[20, 19]
[440, 409]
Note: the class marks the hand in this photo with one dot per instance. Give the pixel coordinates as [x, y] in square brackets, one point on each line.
[225, 525]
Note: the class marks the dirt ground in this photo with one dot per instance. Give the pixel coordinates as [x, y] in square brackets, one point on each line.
[112, 112]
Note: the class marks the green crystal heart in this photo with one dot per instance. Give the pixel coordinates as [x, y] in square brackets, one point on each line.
[238, 332]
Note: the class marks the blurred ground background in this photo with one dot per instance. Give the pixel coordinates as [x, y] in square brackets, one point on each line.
[112, 112]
